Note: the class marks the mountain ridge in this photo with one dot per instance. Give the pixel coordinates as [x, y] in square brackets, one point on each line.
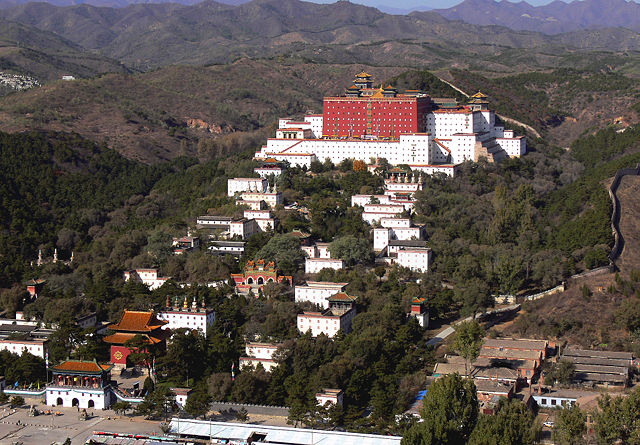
[554, 18]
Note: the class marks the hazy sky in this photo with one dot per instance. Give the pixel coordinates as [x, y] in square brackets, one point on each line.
[403, 5]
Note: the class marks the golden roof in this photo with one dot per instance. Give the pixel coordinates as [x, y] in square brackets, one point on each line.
[363, 74]
[479, 95]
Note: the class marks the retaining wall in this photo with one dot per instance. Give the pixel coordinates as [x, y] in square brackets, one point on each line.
[618, 245]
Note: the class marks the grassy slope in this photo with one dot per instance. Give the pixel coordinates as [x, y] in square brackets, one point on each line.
[144, 116]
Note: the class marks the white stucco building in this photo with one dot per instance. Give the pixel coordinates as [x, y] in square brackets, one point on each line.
[147, 276]
[193, 317]
[317, 292]
[395, 229]
[239, 185]
[339, 316]
[84, 384]
[416, 258]
[315, 265]
[260, 353]
[329, 395]
[33, 346]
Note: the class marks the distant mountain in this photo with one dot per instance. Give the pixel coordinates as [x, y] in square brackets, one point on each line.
[4, 4]
[554, 18]
[144, 36]
[47, 56]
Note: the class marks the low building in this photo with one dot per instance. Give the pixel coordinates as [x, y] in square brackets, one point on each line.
[269, 167]
[239, 185]
[490, 390]
[83, 384]
[417, 259]
[561, 398]
[243, 228]
[316, 250]
[393, 229]
[518, 344]
[34, 287]
[606, 368]
[339, 317]
[185, 244]
[182, 394]
[526, 363]
[147, 276]
[420, 311]
[395, 183]
[235, 248]
[213, 222]
[328, 395]
[260, 353]
[33, 346]
[255, 200]
[241, 433]
[193, 317]
[317, 292]
[315, 265]
[375, 212]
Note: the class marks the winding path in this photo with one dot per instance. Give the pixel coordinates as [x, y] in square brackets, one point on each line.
[504, 118]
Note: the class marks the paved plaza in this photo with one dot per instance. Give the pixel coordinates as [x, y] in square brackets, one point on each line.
[16, 426]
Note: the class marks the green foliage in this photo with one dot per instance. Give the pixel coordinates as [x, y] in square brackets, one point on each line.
[512, 424]
[569, 426]
[121, 407]
[285, 251]
[618, 418]
[351, 250]
[563, 372]
[24, 369]
[198, 403]
[449, 413]
[468, 340]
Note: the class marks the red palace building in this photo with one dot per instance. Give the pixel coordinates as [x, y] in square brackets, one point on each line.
[380, 112]
[131, 324]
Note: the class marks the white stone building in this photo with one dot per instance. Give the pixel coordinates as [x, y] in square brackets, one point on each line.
[259, 353]
[263, 218]
[395, 229]
[453, 135]
[376, 212]
[147, 276]
[317, 292]
[240, 185]
[315, 265]
[338, 317]
[317, 250]
[188, 317]
[417, 258]
[328, 395]
[83, 384]
[33, 346]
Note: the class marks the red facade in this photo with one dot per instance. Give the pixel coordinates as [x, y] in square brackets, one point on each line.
[386, 117]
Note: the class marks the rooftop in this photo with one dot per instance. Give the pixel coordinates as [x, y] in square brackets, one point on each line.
[515, 343]
[275, 434]
[82, 367]
[138, 321]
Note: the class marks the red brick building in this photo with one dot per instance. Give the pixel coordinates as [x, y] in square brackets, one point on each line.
[367, 111]
[131, 324]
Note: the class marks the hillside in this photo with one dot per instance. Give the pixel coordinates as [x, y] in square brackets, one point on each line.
[553, 18]
[173, 111]
[47, 56]
[150, 35]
